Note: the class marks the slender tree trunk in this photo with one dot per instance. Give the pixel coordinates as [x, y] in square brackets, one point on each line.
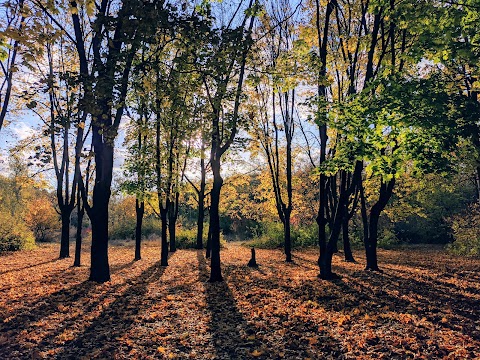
[200, 220]
[78, 235]
[371, 244]
[322, 96]
[139, 211]
[164, 250]
[201, 199]
[65, 237]
[172, 222]
[215, 270]
[346, 242]
[288, 237]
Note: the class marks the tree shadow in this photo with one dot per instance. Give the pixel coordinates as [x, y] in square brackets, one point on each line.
[29, 266]
[237, 337]
[232, 336]
[40, 316]
[101, 338]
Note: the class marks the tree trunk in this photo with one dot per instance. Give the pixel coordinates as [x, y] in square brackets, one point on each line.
[100, 269]
[139, 210]
[386, 191]
[164, 250]
[200, 220]
[371, 244]
[78, 236]
[171, 232]
[65, 237]
[215, 270]
[346, 242]
[201, 198]
[288, 238]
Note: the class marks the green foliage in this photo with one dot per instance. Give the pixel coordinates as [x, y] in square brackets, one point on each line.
[14, 233]
[420, 207]
[271, 236]
[466, 232]
[387, 239]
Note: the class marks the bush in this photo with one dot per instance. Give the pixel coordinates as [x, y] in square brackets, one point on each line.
[42, 219]
[187, 238]
[271, 236]
[466, 232]
[387, 239]
[14, 234]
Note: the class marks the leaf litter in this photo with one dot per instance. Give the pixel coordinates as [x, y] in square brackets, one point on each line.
[423, 306]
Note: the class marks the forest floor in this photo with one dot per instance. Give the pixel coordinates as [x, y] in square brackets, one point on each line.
[424, 305]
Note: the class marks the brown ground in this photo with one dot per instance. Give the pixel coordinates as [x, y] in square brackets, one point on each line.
[425, 305]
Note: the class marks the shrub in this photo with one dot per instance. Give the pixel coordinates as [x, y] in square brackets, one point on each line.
[466, 232]
[187, 238]
[387, 239]
[14, 234]
[272, 237]
[42, 219]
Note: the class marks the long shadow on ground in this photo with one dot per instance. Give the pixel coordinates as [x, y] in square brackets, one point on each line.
[232, 336]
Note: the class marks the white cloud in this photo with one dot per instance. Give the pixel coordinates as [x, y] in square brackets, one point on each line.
[22, 130]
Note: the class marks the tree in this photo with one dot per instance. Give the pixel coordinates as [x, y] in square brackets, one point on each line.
[12, 28]
[281, 69]
[225, 57]
[116, 32]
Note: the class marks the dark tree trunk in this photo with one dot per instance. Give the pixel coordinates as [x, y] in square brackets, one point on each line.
[78, 236]
[201, 198]
[139, 210]
[386, 191]
[171, 232]
[253, 261]
[371, 244]
[346, 242]
[100, 269]
[172, 222]
[200, 220]
[215, 270]
[65, 237]
[164, 249]
[288, 238]
[322, 95]
[325, 261]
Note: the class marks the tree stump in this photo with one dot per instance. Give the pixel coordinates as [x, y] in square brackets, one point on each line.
[252, 262]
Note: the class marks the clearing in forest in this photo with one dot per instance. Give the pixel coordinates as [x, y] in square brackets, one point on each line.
[425, 305]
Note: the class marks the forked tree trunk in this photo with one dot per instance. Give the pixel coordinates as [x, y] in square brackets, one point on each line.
[172, 222]
[386, 191]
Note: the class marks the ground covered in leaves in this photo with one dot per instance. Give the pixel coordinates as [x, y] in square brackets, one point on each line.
[424, 305]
